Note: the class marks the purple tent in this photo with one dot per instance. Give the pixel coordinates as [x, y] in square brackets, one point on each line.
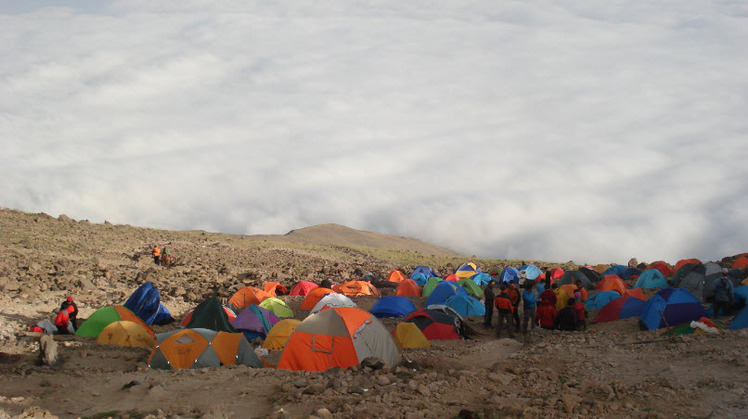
[255, 321]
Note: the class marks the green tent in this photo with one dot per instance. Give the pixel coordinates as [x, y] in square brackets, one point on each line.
[104, 316]
[430, 285]
[471, 287]
[210, 315]
[277, 307]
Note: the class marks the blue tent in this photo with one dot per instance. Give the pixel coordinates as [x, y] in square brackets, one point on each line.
[466, 305]
[425, 270]
[615, 270]
[509, 274]
[145, 302]
[481, 278]
[532, 271]
[443, 291]
[600, 299]
[741, 320]
[675, 305]
[420, 278]
[651, 278]
[395, 306]
[741, 293]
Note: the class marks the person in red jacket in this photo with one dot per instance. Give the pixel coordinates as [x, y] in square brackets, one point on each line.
[546, 312]
[505, 308]
[581, 311]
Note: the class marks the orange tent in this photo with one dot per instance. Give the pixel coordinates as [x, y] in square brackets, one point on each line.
[612, 282]
[247, 296]
[741, 261]
[570, 289]
[636, 293]
[313, 297]
[664, 268]
[338, 337]
[396, 276]
[452, 277]
[684, 262]
[196, 348]
[355, 288]
[408, 288]
[274, 288]
[556, 273]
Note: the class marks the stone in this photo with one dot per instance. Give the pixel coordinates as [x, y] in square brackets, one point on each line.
[323, 413]
[48, 353]
[382, 380]
[372, 362]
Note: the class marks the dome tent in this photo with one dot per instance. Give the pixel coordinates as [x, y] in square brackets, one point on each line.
[199, 348]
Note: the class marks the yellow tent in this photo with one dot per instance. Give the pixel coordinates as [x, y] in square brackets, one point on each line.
[278, 335]
[126, 333]
[408, 335]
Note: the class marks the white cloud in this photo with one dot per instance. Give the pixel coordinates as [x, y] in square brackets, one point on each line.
[587, 131]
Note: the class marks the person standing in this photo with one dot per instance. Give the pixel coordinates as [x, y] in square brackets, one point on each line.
[724, 294]
[528, 305]
[513, 292]
[504, 304]
[488, 301]
[72, 309]
[156, 255]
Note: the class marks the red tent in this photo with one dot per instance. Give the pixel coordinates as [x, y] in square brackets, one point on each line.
[303, 288]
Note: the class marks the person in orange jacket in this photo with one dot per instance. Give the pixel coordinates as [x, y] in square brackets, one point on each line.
[61, 321]
[505, 308]
[156, 255]
[72, 310]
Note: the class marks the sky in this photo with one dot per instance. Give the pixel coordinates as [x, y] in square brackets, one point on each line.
[592, 131]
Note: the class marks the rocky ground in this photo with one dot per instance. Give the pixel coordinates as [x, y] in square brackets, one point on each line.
[610, 370]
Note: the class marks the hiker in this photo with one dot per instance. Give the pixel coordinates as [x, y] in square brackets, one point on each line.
[156, 255]
[504, 304]
[489, 296]
[528, 306]
[61, 321]
[512, 290]
[72, 309]
[548, 296]
[546, 309]
[581, 289]
[581, 311]
[567, 317]
[723, 294]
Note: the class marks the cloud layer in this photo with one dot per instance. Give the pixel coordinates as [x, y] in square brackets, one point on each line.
[587, 131]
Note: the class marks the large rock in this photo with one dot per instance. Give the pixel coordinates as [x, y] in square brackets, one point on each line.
[48, 353]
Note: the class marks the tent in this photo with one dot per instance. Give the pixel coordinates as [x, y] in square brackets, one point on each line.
[255, 322]
[332, 300]
[408, 335]
[436, 324]
[571, 277]
[593, 277]
[275, 288]
[408, 288]
[620, 308]
[303, 288]
[481, 279]
[396, 276]
[664, 268]
[614, 270]
[466, 270]
[466, 305]
[740, 262]
[247, 296]
[672, 305]
[104, 316]
[278, 335]
[452, 278]
[425, 270]
[600, 299]
[230, 315]
[210, 314]
[444, 290]
[651, 278]
[355, 288]
[697, 278]
[532, 272]
[392, 307]
[509, 274]
[555, 274]
[600, 268]
[684, 262]
[420, 279]
[430, 285]
[277, 307]
[612, 282]
[630, 273]
[145, 302]
[740, 321]
[338, 337]
[313, 297]
[471, 287]
[127, 333]
[199, 348]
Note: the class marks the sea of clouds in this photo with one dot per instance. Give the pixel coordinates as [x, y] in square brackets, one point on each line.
[592, 131]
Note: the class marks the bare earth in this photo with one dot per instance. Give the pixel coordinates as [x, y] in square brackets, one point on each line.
[611, 370]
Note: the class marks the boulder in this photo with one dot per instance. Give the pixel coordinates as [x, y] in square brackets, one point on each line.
[48, 353]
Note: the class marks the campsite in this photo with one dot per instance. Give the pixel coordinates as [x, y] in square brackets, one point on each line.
[225, 331]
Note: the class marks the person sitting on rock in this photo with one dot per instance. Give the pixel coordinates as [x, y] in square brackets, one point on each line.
[567, 319]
